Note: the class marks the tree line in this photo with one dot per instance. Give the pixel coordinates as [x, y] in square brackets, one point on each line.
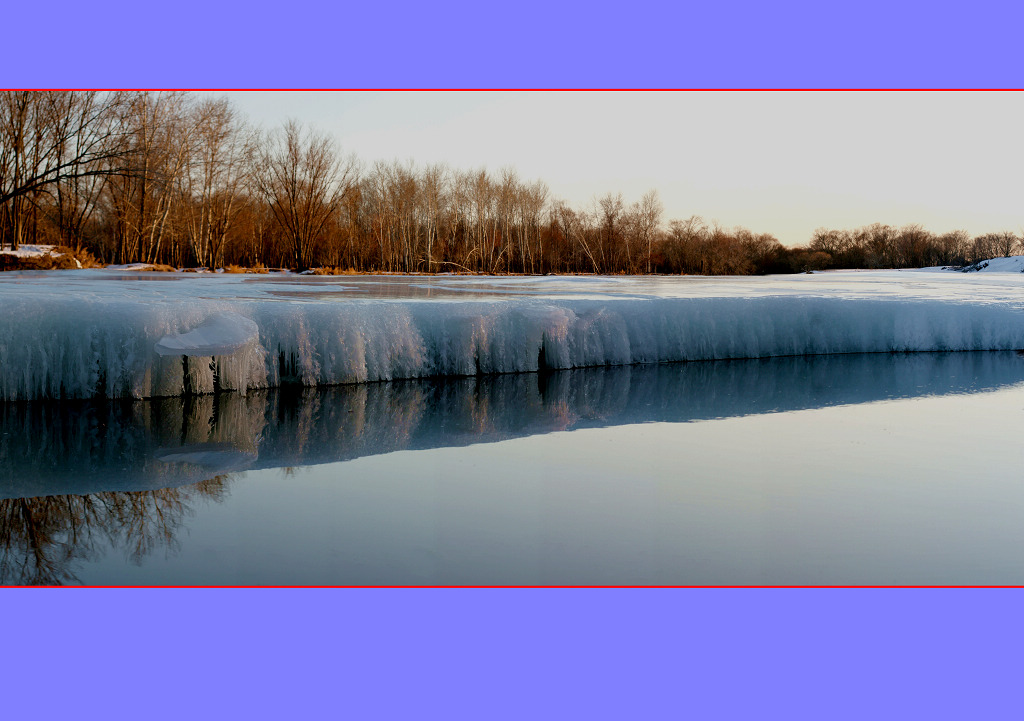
[184, 181]
[910, 246]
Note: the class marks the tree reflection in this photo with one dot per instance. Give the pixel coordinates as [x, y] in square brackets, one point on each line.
[42, 539]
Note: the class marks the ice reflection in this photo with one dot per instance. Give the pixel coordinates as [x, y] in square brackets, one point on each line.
[88, 447]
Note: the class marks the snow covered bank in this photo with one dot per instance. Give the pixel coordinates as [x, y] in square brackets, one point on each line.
[35, 253]
[86, 333]
[1012, 264]
[28, 251]
[1009, 264]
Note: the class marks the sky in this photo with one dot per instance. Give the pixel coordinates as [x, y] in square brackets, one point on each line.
[783, 163]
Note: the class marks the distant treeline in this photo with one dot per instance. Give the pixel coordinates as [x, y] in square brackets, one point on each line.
[181, 180]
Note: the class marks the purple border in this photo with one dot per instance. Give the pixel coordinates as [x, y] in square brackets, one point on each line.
[512, 653]
[531, 43]
[172, 653]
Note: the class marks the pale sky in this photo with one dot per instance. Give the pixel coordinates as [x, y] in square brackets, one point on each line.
[782, 163]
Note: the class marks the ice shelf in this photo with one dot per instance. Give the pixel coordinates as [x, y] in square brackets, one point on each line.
[123, 334]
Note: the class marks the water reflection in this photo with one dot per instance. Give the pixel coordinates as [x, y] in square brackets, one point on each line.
[42, 539]
[81, 480]
[87, 447]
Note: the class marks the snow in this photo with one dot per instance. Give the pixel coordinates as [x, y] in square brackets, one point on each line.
[122, 334]
[221, 334]
[28, 251]
[131, 266]
[34, 251]
[1009, 264]
[1012, 264]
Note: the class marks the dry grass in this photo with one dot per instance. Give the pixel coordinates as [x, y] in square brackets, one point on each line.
[261, 269]
[44, 262]
[327, 270]
[159, 268]
[82, 256]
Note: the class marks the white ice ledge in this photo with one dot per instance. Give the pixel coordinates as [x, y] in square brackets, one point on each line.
[120, 344]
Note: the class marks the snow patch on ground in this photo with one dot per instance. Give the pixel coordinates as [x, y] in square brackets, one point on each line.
[1012, 264]
[28, 251]
[131, 266]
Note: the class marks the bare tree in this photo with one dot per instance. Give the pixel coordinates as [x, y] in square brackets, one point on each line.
[433, 201]
[610, 208]
[47, 138]
[141, 190]
[1006, 242]
[648, 218]
[578, 228]
[304, 179]
[481, 196]
[213, 178]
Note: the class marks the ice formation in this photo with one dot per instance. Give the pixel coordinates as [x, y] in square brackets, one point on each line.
[121, 334]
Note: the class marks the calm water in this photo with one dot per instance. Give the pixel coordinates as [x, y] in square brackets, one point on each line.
[855, 469]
